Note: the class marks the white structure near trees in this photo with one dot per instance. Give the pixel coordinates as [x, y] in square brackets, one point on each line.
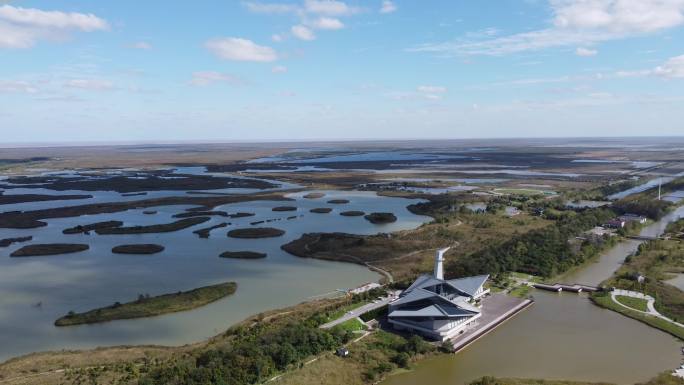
[436, 308]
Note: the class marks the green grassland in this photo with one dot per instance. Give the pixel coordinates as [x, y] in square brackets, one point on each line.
[634, 303]
[151, 306]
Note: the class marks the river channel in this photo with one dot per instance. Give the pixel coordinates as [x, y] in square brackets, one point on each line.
[563, 336]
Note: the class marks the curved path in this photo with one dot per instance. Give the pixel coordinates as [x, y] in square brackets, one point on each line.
[650, 302]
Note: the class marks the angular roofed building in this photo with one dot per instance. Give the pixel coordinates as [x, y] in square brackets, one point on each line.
[437, 308]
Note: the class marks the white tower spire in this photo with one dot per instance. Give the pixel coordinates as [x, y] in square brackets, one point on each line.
[660, 184]
[439, 259]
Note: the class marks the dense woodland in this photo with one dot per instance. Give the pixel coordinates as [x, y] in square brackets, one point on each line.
[544, 252]
[256, 355]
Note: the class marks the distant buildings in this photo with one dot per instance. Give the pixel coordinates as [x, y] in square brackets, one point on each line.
[623, 220]
[614, 223]
[632, 218]
[437, 308]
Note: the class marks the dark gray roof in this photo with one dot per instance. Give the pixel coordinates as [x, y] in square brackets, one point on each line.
[469, 285]
[455, 306]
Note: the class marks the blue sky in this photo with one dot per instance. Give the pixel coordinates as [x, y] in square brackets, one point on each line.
[319, 69]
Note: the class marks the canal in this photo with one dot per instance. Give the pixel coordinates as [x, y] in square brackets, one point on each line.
[563, 336]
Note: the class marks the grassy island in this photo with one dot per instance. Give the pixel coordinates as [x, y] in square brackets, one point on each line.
[241, 215]
[138, 249]
[9, 241]
[256, 232]
[22, 198]
[321, 210]
[49, 249]
[284, 208]
[243, 255]
[352, 213]
[83, 229]
[146, 306]
[160, 228]
[205, 232]
[338, 201]
[190, 214]
[314, 195]
[381, 218]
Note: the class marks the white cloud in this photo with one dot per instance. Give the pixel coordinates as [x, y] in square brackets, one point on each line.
[302, 32]
[575, 22]
[581, 51]
[432, 89]
[17, 86]
[23, 27]
[258, 7]
[206, 78]
[329, 7]
[279, 69]
[238, 49]
[90, 84]
[673, 68]
[328, 23]
[388, 7]
[621, 16]
[277, 37]
[141, 45]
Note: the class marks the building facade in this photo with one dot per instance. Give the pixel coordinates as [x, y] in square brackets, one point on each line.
[436, 308]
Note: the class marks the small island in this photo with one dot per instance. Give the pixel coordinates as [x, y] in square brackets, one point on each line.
[256, 232]
[321, 210]
[243, 255]
[146, 306]
[381, 218]
[241, 215]
[9, 241]
[86, 229]
[284, 208]
[338, 201]
[142, 248]
[314, 195]
[160, 228]
[352, 213]
[205, 232]
[190, 214]
[40, 250]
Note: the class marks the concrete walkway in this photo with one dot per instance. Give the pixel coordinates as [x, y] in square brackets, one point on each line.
[360, 310]
[650, 303]
[496, 309]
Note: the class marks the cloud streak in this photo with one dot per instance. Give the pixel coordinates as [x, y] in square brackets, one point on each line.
[239, 49]
[24, 27]
[574, 23]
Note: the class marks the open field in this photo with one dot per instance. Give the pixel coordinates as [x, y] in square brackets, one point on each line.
[634, 303]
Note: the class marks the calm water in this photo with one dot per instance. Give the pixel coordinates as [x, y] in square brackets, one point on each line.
[97, 277]
[563, 336]
[375, 156]
[653, 183]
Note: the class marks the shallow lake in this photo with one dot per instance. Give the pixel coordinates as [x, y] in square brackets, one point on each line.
[96, 277]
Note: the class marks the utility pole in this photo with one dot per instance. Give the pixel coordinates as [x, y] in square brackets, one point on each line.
[660, 184]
